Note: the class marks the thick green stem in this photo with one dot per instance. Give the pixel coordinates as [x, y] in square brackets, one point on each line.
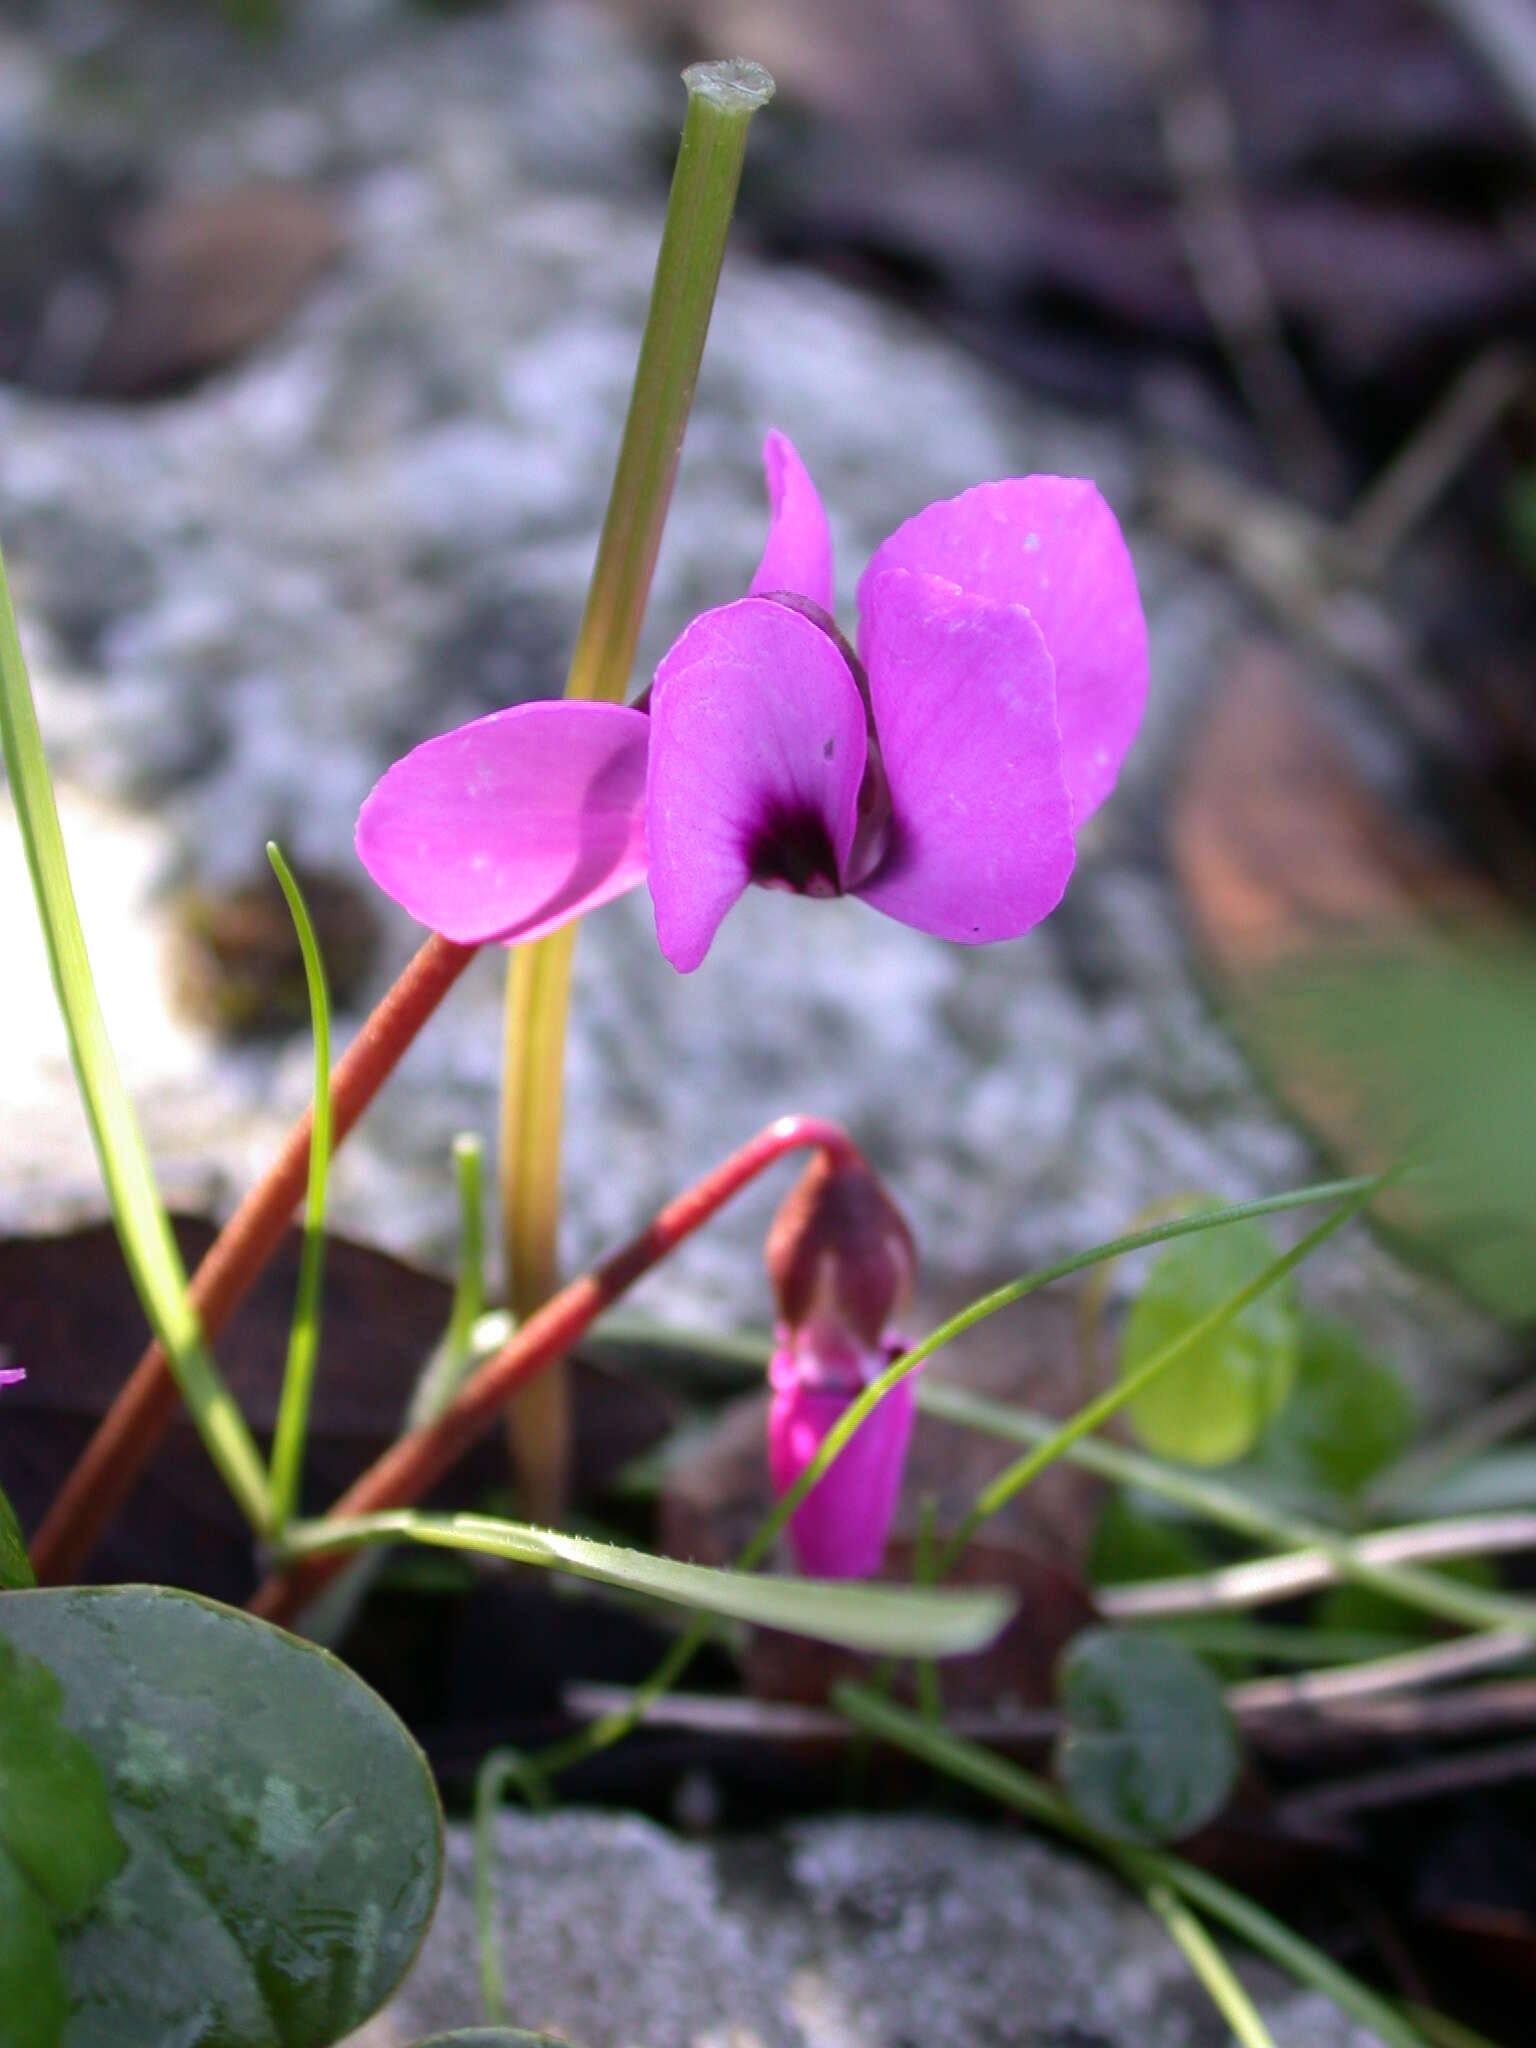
[722, 98]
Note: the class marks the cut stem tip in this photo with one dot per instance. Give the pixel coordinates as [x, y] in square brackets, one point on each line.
[734, 84]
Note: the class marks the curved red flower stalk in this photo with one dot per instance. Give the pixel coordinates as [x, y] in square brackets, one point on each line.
[413, 1465]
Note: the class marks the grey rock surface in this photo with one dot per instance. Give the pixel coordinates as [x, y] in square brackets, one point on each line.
[832, 1934]
[241, 603]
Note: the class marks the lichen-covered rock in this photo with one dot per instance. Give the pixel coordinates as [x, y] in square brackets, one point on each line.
[831, 1934]
[240, 603]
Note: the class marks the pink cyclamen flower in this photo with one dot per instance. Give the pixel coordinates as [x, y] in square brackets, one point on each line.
[11, 1375]
[941, 772]
[839, 1530]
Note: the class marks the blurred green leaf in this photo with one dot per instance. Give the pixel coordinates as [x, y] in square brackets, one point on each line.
[900, 1620]
[1148, 1753]
[33, 2001]
[1349, 1415]
[58, 1847]
[15, 1565]
[54, 1816]
[1504, 1478]
[1433, 1052]
[1133, 1541]
[1363, 1610]
[282, 1833]
[1211, 1407]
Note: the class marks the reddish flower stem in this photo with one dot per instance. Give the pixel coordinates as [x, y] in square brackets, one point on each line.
[128, 1433]
[416, 1462]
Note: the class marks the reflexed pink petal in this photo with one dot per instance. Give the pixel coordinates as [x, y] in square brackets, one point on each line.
[965, 708]
[798, 556]
[839, 1530]
[758, 742]
[514, 824]
[1051, 543]
[11, 1375]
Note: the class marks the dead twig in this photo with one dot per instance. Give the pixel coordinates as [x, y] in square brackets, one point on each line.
[1266, 1579]
[1200, 145]
[1407, 1784]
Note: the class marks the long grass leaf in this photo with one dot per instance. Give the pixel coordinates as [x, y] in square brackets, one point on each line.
[143, 1228]
[304, 1333]
[911, 1622]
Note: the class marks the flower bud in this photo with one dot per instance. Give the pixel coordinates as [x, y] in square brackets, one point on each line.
[839, 1530]
[839, 1253]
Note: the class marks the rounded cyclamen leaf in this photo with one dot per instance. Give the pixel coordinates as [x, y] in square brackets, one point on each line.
[1212, 1404]
[1148, 1753]
[1051, 544]
[282, 1834]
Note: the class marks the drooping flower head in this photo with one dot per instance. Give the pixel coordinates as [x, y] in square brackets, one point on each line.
[841, 1259]
[940, 770]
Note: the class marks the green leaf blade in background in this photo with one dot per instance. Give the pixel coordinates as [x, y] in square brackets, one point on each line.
[58, 1847]
[34, 2003]
[1427, 1052]
[282, 1831]
[1149, 1753]
[48, 1776]
[1213, 1405]
[890, 1620]
[15, 1566]
[1349, 1416]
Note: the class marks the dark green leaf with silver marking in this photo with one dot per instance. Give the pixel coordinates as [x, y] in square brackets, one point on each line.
[282, 1833]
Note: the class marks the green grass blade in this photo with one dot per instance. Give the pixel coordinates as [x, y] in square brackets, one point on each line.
[499, 1771]
[614, 1727]
[1211, 1967]
[1355, 1194]
[906, 1621]
[143, 1229]
[448, 1367]
[304, 1332]
[1097, 1412]
[1024, 1793]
